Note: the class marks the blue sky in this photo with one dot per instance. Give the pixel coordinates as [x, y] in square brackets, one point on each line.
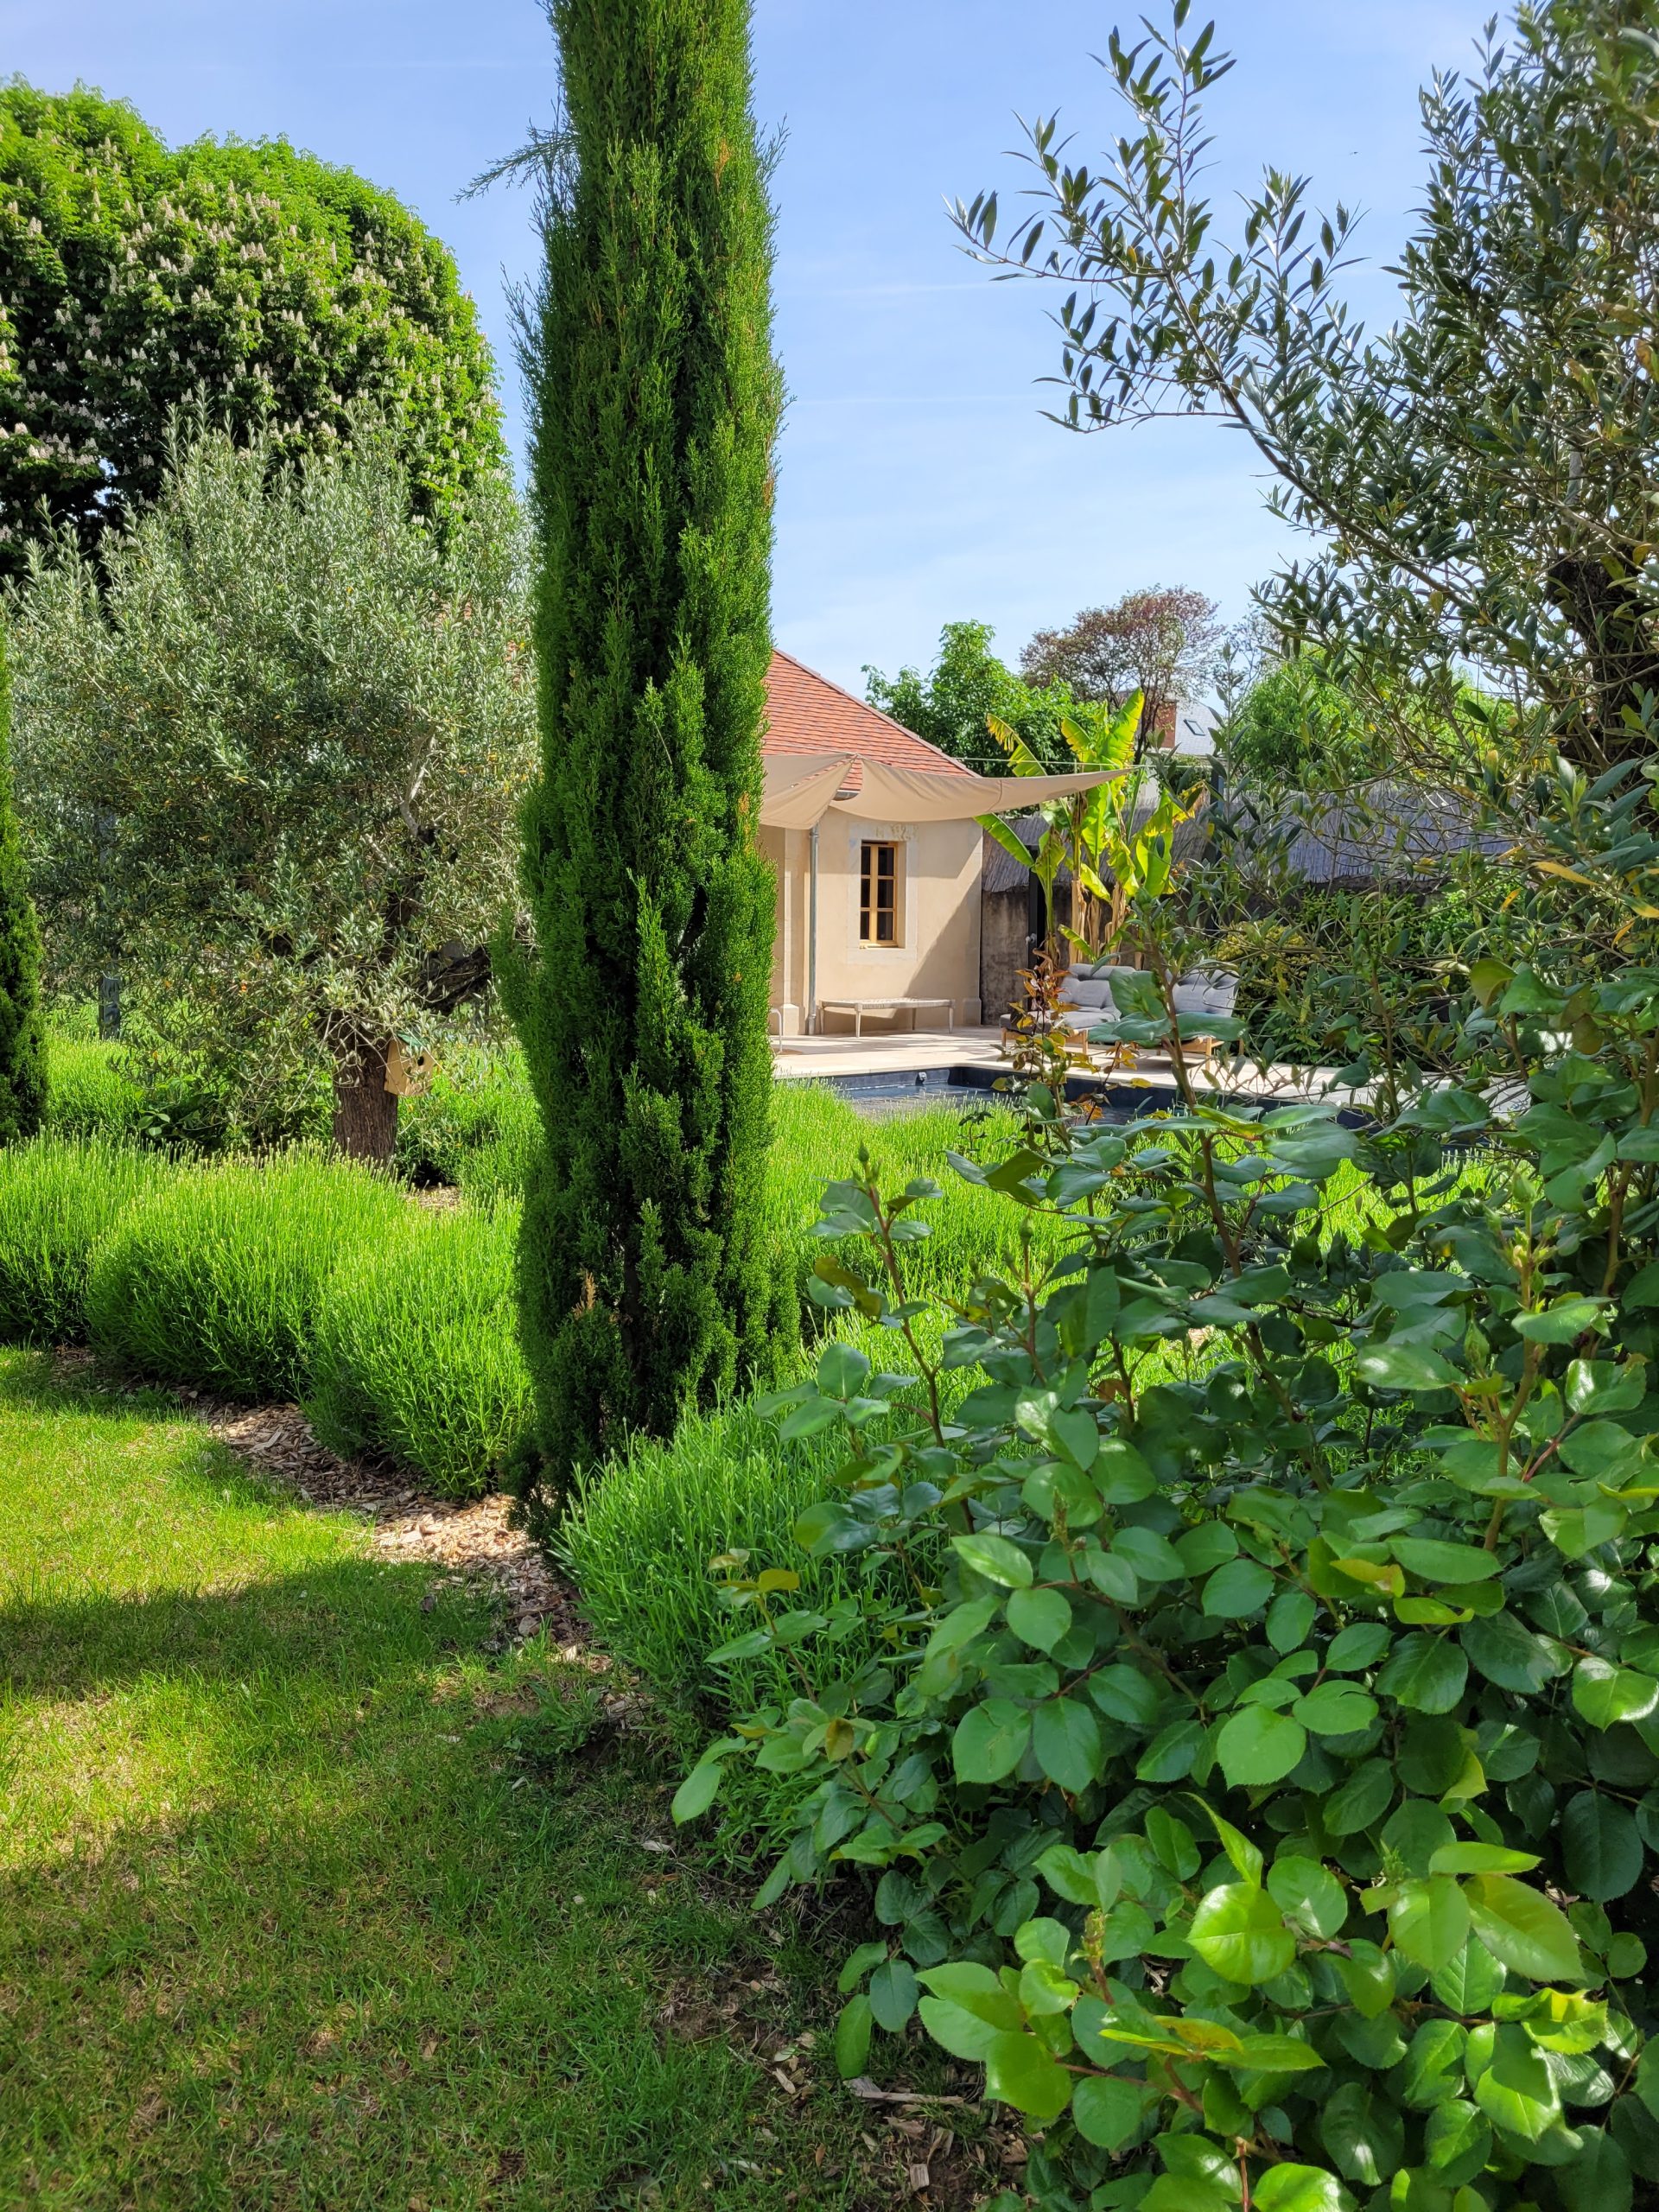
[919, 481]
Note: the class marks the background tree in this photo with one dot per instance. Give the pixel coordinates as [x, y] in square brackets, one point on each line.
[22, 1039]
[949, 703]
[310, 716]
[1480, 481]
[648, 1281]
[1160, 642]
[1294, 726]
[267, 289]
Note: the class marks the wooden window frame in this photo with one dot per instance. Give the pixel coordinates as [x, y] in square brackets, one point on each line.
[874, 882]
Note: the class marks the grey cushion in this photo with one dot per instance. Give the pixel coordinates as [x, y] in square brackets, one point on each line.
[1213, 992]
[1091, 993]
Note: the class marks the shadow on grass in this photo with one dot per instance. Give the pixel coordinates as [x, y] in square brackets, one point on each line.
[288, 1918]
[36, 1380]
[399, 1980]
[359, 1621]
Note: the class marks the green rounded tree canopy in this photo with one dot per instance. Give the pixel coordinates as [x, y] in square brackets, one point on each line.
[250, 282]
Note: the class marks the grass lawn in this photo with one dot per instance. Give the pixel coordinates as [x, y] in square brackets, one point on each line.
[306, 1901]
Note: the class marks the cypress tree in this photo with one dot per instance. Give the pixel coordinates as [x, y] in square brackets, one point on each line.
[23, 1036]
[646, 1279]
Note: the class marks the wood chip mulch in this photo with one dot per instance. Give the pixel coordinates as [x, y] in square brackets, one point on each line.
[473, 1541]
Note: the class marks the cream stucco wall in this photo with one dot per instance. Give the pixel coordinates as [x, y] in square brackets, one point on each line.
[937, 953]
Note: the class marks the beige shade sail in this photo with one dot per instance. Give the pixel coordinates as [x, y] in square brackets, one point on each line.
[800, 785]
[889, 794]
[801, 788]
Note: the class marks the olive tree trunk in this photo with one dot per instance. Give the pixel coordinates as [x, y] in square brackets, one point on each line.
[366, 1111]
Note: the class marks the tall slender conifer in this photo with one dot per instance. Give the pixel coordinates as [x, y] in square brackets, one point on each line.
[647, 1278]
[23, 1036]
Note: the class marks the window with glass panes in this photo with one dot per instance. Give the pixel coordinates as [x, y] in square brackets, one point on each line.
[878, 894]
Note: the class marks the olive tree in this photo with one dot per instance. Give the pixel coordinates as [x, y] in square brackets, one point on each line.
[1479, 482]
[308, 716]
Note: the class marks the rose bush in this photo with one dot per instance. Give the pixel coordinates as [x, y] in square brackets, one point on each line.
[1260, 1772]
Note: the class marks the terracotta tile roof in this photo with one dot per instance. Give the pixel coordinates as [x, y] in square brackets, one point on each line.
[806, 713]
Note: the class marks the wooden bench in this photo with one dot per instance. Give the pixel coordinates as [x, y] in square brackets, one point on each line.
[859, 1007]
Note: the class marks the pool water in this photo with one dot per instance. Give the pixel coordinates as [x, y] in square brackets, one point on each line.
[900, 1090]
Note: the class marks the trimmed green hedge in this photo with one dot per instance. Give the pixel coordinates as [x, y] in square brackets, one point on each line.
[297, 1275]
[59, 1201]
[416, 1349]
[90, 1093]
[218, 1280]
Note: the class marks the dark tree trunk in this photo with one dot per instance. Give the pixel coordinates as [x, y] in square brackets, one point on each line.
[366, 1112]
[1617, 623]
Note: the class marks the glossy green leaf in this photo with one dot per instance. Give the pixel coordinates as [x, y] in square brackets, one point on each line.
[1120, 1473]
[1509, 1654]
[1335, 1709]
[1065, 1736]
[1257, 1746]
[1290, 1620]
[1290, 2188]
[995, 1558]
[1522, 1928]
[892, 1994]
[1129, 1694]
[853, 2030]
[1429, 1922]
[1173, 1753]
[1040, 1617]
[1069, 1874]
[1601, 1853]
[1606, 1694]
[1106, 2110]
[1457, 2144]
[1240, 1931]
[1481, 1858]
[1363, 2134]
[1597, 2178]
[1309, 1894]
[698, 1791]
[1242, 1586]
[1627, 1955]
[1367, 1972]
[1564, 1322]
[1360, 1645]
[1470, 1982]
[1043, 1937]
[1274, 2055]
[1153, 1557]
[1433, 1560]
[1404, 1367]
[1516, 2090]
[1020, 2071]
[1244, 1856]
[990, 1740]
[1432, 2071]
[1362, 1800]
[1424, 1672]
[858, 1965]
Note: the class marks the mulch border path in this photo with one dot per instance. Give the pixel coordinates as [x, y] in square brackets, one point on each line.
[471, 1540]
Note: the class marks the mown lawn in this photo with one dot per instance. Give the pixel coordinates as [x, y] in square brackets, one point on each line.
[307, 1901]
